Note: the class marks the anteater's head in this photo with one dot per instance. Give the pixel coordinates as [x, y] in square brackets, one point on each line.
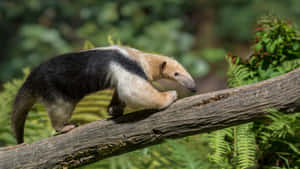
[173, 70]
[158, 67]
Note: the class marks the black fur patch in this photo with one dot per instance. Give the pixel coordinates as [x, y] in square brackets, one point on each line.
[74, 75]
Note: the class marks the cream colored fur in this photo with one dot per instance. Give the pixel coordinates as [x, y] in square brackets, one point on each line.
[137, 92]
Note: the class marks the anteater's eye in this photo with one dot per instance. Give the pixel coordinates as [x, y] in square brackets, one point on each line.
[176, 74]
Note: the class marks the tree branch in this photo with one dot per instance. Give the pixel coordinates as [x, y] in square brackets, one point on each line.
[188, 116]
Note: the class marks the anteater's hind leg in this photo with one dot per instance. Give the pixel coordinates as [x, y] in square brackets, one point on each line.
[60, 113]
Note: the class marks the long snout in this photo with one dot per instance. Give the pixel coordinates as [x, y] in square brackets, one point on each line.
[187, 82]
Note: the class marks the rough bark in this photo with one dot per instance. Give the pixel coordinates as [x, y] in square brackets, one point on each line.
[188, 116]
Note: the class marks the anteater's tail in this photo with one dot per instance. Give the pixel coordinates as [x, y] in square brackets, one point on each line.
[21, 106]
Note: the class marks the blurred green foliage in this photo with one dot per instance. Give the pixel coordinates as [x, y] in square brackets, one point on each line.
[36, 30]
[274, 142]
[32, 31]
[237, 17]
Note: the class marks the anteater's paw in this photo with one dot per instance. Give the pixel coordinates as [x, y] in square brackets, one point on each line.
[66, 129]
[171, 97]
[115, 111]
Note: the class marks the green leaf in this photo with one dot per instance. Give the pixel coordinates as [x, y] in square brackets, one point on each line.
[88, 45]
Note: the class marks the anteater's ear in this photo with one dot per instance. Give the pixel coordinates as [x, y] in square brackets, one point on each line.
[163, 65]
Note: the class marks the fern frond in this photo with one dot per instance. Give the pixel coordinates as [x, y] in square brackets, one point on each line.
[239, 74]
[188, 158]
[220, 145]
[88, 45]
[112, 42]
[246, 146]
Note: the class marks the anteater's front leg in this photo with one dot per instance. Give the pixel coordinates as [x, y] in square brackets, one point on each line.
[116, 106]
[139, 93]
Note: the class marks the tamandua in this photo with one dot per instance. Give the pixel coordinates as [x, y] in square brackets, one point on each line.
[61, 82]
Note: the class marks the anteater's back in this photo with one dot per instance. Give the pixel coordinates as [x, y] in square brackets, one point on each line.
[69, 77]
